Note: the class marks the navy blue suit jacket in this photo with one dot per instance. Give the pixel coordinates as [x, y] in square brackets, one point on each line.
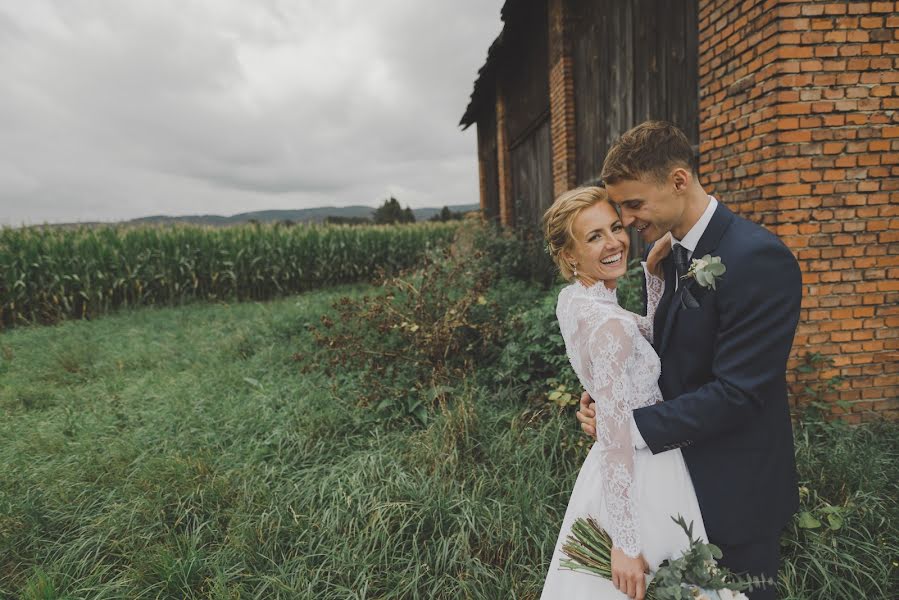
[724, 354]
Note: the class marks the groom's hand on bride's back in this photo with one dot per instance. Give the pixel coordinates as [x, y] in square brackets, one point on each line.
[586, 414]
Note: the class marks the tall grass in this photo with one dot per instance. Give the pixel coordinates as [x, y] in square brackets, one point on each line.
[50, 274]
[180, 453]
[844, 543]
[183, 453]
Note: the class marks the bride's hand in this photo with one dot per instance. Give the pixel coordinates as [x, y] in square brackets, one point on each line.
[660, 250]
[628, 573]
[586, 414]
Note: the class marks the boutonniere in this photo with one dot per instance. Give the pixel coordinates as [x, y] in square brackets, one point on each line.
[706, 270]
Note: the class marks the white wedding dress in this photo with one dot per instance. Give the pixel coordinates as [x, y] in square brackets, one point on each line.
[632, 493]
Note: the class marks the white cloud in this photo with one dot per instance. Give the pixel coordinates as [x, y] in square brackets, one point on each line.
[123, 108]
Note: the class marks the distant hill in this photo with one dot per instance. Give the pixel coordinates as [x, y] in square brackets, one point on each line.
[316, 215]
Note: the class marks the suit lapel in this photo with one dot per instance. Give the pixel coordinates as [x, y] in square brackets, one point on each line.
[665, 301]
[671, 317]
[709, 240]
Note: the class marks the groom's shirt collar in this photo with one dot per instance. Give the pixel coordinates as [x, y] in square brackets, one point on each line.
[692, 238]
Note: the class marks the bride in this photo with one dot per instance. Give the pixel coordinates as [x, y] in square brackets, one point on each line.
[632, 493]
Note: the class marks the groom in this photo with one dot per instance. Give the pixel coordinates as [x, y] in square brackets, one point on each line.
[723, 350]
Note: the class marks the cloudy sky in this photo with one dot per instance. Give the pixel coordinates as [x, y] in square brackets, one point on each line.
[114, 109]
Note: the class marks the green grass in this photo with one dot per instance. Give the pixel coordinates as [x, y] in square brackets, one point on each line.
[180, 453]
[183, 453]
[845, 541]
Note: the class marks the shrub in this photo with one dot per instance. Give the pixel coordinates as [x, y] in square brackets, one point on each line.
[521, 257]
[421, 333]
[535, 353]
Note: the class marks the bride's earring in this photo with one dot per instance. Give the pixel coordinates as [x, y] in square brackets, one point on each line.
[575, 269]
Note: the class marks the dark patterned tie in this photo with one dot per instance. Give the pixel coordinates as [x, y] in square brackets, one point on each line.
[681, 263]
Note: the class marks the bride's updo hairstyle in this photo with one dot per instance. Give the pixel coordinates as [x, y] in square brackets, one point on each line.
[559, 218]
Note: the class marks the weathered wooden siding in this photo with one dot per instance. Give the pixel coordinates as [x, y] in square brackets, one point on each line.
[532, 181]
[488, 163]
[633, 60]
[525, 88]
[603, 59]
[630, 60]
[526, 76]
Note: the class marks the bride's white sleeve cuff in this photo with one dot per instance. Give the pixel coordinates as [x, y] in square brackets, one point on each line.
[639, 442]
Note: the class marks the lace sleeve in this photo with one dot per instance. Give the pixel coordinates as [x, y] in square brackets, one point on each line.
[655, 287]
[611, 348]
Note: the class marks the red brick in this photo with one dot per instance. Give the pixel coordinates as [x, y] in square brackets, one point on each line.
[811, 152]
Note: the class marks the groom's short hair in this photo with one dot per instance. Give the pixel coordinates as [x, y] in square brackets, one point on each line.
[651, 149]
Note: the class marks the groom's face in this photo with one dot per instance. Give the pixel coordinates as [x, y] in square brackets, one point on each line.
[651, 208]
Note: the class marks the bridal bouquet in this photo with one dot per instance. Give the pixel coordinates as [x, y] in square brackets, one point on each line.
[694, 576]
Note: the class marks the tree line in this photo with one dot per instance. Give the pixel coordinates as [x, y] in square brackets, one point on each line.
[390, 213]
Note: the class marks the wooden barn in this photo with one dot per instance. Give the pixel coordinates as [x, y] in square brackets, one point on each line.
[793, 107]
[562, 81]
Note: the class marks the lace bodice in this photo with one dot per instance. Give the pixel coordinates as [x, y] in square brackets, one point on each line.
[610, 350]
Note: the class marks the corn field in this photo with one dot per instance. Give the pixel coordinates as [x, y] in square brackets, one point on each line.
[50, 274]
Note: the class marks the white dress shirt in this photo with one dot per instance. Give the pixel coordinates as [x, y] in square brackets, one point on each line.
[692, 238]
[689, 242]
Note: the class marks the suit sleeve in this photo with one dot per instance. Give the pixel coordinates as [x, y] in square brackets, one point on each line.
[758, 313]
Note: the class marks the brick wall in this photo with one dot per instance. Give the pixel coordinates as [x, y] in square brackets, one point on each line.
[561, 98]
[799, 132]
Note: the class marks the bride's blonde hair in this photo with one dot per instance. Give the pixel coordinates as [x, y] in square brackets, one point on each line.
[559, 218]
